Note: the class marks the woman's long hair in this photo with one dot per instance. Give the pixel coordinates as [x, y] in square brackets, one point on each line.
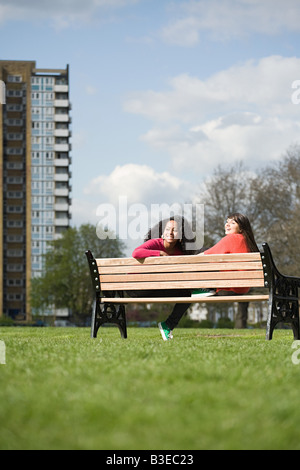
[245, 229]
[186, 235]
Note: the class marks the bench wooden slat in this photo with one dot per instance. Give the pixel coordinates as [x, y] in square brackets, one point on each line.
[226, 283]
[172, 300]
[235, 257]
[192, 276]
[124, 269]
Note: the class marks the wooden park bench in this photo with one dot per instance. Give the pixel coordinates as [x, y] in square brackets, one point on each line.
[113, 277]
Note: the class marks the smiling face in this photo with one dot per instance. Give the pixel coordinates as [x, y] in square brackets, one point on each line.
[171, 233]
[231, 226]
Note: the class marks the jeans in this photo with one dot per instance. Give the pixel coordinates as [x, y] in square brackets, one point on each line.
[178, 310]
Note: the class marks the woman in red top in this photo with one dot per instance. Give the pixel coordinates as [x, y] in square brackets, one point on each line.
[236, 224]
[238, 238]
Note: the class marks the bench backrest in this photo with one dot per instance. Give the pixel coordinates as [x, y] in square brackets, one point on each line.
[181, 272]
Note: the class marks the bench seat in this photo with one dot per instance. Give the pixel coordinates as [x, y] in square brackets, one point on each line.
[184, 300]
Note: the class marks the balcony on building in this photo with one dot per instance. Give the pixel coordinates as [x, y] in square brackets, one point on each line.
[61, 88]
[61, 133]
[61, 207]
[60, 162]
[61, 192]
[61, 103]
[61, 147]
[61, 219]
[61, 177]
[59, 117]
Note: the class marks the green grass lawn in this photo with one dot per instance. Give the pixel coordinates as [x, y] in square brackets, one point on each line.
[207, 389]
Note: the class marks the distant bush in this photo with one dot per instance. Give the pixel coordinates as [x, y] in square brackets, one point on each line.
[187, 322]
[6, 321]
[225, 323]
[206, 324]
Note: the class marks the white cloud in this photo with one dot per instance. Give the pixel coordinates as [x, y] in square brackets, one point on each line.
[226, 142]
[230, 19]
[266, 84]
[61, 14]
[242, 113]
[140, 184]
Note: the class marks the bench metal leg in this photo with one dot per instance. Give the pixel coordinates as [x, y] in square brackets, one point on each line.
[109, 313]
[283, 311]
[284, 298]
[283, 306]
[95, 323]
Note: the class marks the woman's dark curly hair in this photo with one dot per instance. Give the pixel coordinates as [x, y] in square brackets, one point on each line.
[186, 235]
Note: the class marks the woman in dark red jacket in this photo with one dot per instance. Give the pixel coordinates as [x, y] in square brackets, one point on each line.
[170, 237]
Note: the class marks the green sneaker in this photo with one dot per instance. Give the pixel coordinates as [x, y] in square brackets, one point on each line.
[166, 333]
[203, 292]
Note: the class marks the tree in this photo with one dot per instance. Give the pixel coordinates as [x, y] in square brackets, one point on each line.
[269, 197]
[277, 191]
[66, 282]
[228, 190]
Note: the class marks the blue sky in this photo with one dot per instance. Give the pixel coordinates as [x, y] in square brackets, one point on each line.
[164, 91]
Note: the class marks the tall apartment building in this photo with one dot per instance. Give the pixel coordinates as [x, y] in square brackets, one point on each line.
[34, 175]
